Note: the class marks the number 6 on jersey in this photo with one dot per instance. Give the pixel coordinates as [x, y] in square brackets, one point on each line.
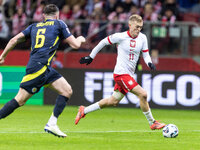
[40, 38]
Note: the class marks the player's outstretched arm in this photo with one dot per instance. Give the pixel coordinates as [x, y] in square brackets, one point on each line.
[88, 59]
[11, 44]
[75, 42]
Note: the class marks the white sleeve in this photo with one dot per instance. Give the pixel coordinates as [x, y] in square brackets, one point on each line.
[99, 46]
[145, 52]
[146, 57]
[145, 44]
[109, 40]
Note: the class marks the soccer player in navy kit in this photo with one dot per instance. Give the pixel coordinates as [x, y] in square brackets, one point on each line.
[45, 38]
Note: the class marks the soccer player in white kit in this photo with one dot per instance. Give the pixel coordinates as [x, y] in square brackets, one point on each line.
[130, 44]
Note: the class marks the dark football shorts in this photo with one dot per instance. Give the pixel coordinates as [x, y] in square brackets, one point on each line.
[37, 76]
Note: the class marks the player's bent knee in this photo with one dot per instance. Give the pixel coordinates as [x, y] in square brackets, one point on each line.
[68, 92]
[21, 102]
[143, 96]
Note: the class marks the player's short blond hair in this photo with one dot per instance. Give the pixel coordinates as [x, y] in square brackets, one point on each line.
[136, 18]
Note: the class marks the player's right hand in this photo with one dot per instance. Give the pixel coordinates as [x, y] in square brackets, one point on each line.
[1, 60]
[86, 60]
[152, 66]
[81, 39]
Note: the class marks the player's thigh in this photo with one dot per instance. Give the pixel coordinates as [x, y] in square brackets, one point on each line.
[61, 86]
[22, 96]
[138, 91]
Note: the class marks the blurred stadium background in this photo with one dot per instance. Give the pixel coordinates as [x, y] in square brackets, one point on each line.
[173, 32]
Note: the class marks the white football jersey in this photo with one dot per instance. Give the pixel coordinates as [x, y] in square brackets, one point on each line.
[128, 50]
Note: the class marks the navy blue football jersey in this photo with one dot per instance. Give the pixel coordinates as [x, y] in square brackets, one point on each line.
[45, 38]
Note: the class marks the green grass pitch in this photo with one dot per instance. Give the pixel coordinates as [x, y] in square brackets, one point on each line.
[107, 129]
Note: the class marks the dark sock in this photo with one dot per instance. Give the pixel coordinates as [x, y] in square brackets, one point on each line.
[60, 105]
[8, 108]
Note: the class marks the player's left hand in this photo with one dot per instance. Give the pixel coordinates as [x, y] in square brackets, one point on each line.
[152, 66]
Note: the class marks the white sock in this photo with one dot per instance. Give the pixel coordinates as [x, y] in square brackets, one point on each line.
[52, 120]
[149, 116]
[91, 108]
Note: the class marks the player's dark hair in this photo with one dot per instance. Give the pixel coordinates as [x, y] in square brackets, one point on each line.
[50, 9]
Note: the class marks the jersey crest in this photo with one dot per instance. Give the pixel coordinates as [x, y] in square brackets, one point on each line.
[132, 43]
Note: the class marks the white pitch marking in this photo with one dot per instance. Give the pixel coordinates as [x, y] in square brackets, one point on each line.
[128, 131]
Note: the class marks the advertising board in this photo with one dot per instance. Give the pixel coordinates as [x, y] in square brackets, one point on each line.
[10, 78]
[164, 89]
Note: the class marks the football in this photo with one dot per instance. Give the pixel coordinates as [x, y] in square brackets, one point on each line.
[170, 131]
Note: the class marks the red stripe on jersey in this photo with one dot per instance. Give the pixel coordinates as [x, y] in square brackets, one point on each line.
[109, 40]
[145, 50]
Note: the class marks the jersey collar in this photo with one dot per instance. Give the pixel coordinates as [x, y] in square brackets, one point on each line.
[130, 35]
[48, 19]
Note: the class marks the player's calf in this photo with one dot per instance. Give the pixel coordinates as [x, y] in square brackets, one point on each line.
[8, 108]
[112, 101]
[106, 102]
